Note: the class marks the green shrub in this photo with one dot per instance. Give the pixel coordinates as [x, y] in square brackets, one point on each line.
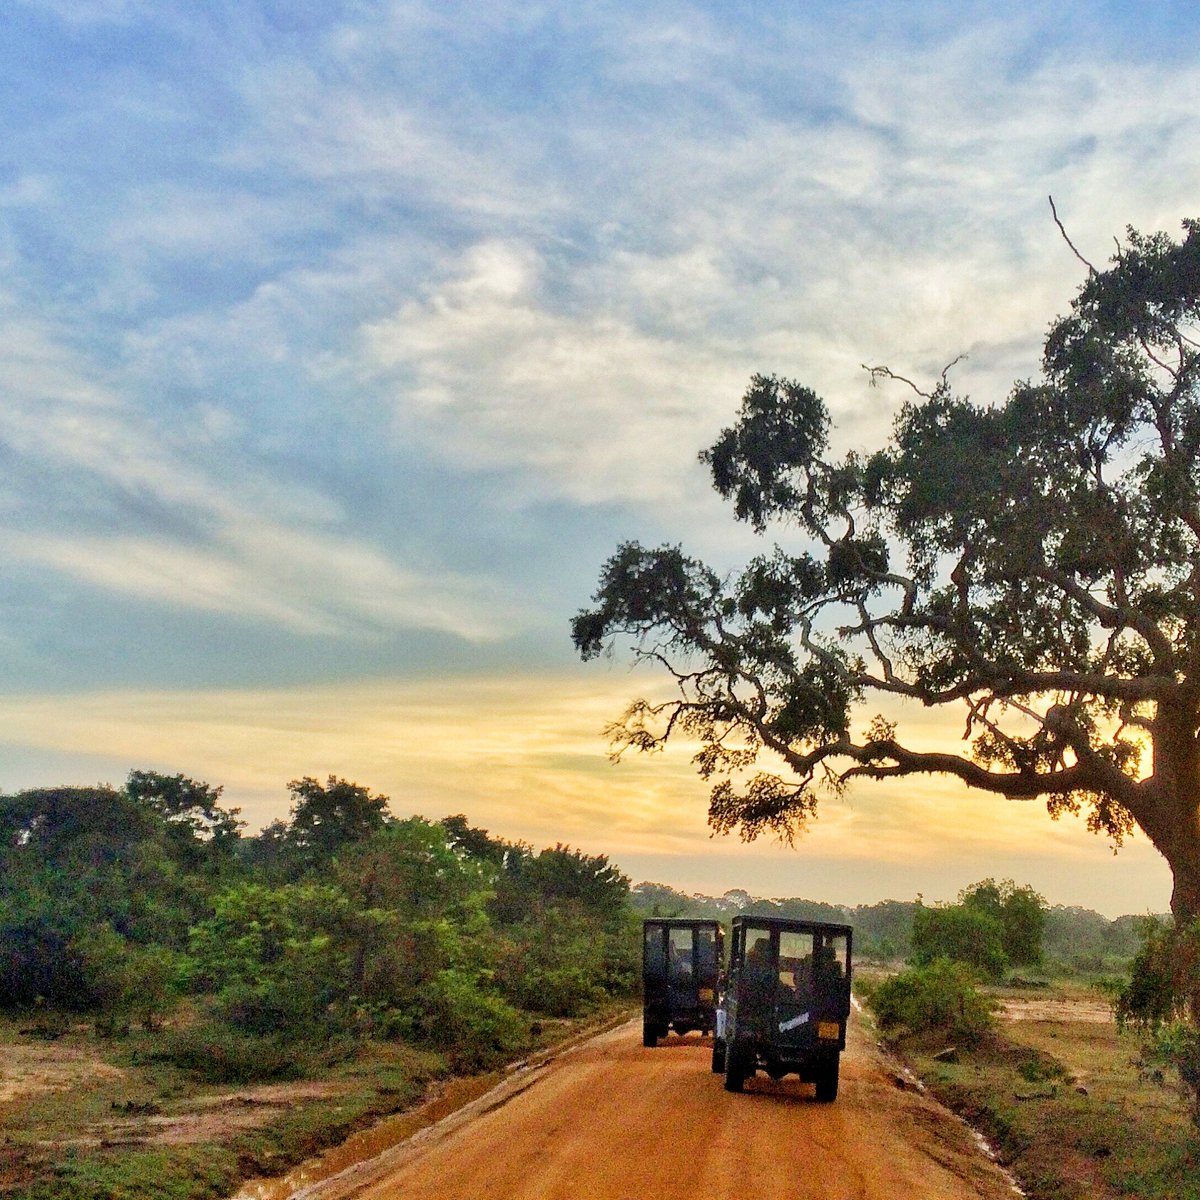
[277, 958]
[960, 932]
[1159, 1000]
[566, 991]
[215, 1052]
[938, 998]
[477, 1028]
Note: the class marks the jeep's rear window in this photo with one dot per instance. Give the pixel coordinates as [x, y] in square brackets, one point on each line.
[680, 952]
[706, 949]
[837, 950]
[795, 958]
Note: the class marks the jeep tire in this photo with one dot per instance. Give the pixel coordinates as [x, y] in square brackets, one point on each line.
[718, 1056]
[736, 1057]
[827, 1080]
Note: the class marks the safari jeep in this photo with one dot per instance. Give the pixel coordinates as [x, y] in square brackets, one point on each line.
[785, 1002]
[681, 963]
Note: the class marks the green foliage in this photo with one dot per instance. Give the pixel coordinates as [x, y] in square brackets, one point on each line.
[939, 998]
[1085, 943]
[884, 930]
[74, 861]
[1022, 915]
[961, 933]
[476, 1027]
[474, 843]
[1160, 1001]
[197, 827]
[529, 883]
[126, 981]
[277, 958]
[338, 925]
[327, 818]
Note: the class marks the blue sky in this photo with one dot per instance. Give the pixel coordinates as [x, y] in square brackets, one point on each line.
[341, 343]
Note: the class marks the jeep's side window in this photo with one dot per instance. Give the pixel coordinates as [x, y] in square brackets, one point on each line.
[706, 950]
[655, 961]
[795, 960]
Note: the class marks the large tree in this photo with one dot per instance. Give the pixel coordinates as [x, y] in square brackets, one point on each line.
[1033, 563]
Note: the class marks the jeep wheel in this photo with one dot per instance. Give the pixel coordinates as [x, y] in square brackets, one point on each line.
[718, 1057]
[827, 1081]
[735, 1067]
[649, 1034]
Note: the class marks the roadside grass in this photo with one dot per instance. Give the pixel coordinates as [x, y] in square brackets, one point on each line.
[134, 1118]
[1060, 1097]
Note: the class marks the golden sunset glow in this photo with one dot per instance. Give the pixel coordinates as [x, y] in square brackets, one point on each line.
[524, 756]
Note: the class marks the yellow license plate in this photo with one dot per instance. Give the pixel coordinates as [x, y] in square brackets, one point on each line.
[829, 1029]
[706, 993]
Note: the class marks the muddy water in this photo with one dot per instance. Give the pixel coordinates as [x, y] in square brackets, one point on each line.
[370, 1143]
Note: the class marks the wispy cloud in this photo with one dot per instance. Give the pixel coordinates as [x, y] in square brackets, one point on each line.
[593, 406]
[129, 513]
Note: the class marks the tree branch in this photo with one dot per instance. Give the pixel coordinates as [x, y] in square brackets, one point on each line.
[1091, 270]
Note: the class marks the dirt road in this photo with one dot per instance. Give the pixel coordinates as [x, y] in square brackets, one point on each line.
[612, 1120]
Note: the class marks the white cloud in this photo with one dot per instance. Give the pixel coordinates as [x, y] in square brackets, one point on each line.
[595, 407]
[907, 226]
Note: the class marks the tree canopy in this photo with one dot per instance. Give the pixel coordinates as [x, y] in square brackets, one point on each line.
[1033, 563]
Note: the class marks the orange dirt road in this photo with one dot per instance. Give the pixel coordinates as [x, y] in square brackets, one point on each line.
[612, 1120]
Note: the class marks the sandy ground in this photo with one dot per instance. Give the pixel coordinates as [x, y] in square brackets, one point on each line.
[26, 1070]
[1091, 1012]
[613, 1120]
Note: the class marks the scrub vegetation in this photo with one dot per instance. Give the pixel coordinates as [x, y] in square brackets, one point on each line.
[156, 964]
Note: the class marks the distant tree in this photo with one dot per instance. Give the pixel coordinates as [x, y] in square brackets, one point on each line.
[1022, 915]
[659, 900]
[197, 826]
[562, 876]
[884, 930]
[474, 843]
[325, 818]
[960, 933]
[75, 861]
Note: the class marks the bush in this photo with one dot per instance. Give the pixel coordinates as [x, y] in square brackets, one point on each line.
[938, 998]
[278, 958]
[1160, 999]
[477, 1028]
[960, 932]
[215, 1052]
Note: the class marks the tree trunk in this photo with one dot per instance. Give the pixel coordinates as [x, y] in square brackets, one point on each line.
[1171, 819]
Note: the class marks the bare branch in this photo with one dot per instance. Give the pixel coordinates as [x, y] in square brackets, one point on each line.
[887, 373]
[1091, 270]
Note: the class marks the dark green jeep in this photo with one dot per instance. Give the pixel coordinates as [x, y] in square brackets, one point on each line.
[785, 1002]
[681, 963]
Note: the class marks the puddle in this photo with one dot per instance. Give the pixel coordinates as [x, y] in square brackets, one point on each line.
[458, 1099]
[370, 1143]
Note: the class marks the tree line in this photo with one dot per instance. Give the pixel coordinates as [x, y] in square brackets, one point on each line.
[993, 926]
[340, 922]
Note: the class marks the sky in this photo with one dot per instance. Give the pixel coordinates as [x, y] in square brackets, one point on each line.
[342, 342]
